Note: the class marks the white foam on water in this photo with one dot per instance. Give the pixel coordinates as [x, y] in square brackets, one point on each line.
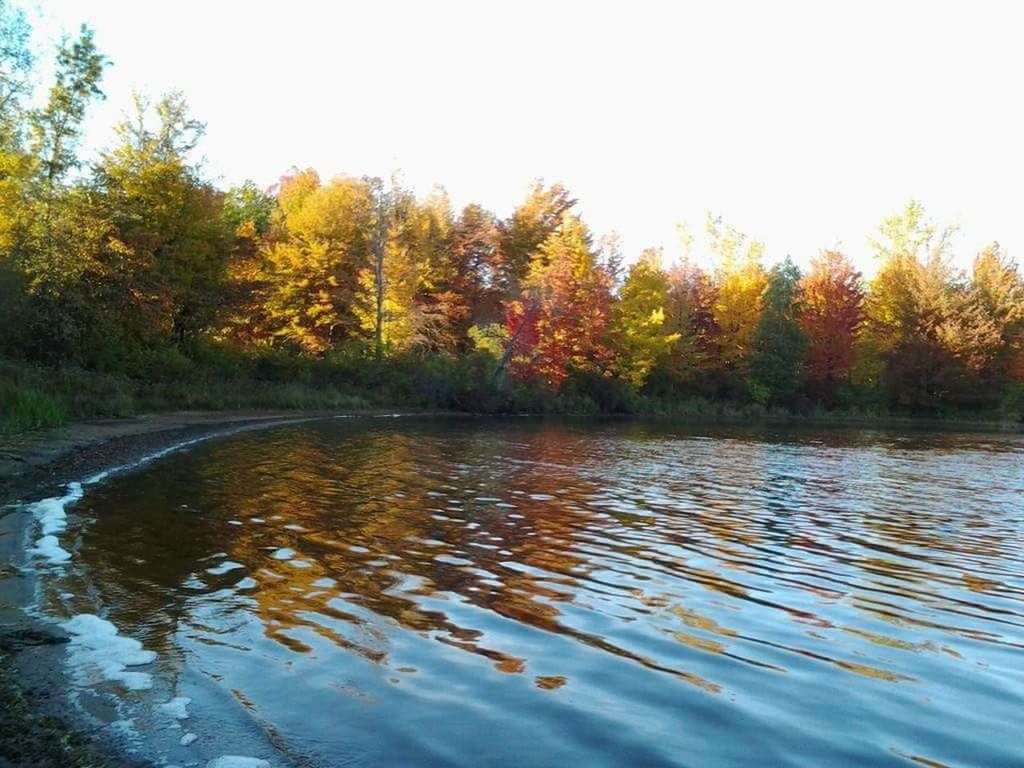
[51, 514]
[237, 761]
[177, 707]
[187, 739]
[285, 553]
[49, 548]
[300, 564]
[227, 565]
[97, 648]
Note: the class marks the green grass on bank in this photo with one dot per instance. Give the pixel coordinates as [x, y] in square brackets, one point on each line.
[34, 396]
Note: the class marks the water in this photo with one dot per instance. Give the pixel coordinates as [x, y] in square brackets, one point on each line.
[493, 593]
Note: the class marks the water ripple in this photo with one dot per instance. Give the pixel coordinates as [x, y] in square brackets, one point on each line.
[486, 593]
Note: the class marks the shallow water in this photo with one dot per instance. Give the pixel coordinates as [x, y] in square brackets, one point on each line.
[485, 593]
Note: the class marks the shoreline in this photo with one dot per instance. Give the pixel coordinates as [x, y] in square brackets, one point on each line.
[37, 725]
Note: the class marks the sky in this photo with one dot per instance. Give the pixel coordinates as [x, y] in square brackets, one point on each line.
[803, 124]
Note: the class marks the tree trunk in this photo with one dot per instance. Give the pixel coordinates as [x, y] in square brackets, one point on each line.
[378, 257]
[499, 372]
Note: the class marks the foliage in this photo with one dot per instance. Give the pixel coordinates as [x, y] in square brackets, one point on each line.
[740, 282]
[567, 300]
[641, 330]
[779, 342]
[141, 285]
[832, 311]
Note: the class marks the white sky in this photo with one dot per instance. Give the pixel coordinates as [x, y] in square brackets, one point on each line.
[802, 123]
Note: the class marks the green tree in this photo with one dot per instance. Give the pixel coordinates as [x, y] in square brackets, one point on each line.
[168, 216]
[16, 62]
[56, 127]
[779, 342]
[57, 235]
[249, 207]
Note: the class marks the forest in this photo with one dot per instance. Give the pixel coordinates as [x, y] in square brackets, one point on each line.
[129, 281]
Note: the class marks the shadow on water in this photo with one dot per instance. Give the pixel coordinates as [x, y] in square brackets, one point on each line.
[490, 592]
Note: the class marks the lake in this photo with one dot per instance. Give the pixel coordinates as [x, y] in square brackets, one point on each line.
[484, 592]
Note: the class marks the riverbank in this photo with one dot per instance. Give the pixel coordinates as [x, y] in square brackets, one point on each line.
[36, 728]
[35, 397]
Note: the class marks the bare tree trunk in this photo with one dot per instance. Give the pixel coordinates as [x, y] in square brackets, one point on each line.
[499, 372]
[378, 257]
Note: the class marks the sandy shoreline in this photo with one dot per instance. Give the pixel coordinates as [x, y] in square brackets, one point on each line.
[37, 727]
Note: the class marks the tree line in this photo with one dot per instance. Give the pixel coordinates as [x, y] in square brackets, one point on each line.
[136, 261]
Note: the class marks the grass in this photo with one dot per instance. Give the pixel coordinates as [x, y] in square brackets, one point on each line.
[34, 397]
[24, 408]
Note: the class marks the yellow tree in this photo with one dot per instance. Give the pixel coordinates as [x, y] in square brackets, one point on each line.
[398, 304]
[639, 328]
[522, 233]
[740, 281]
[323, 245]
[913, 297]
[985, 328]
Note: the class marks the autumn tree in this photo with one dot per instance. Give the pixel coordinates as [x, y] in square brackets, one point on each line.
[983, 329]
[692, 361]
[997, 292]
[247, 213]
[313, 267]
[408, 239]
[912, 296]
[640, 329]
[740, 282]
[465, 284]
[569, 295]
[832, 311]
[530, 224]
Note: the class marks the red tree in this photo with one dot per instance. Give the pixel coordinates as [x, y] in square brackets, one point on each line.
[832, 304]
[567, 303]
